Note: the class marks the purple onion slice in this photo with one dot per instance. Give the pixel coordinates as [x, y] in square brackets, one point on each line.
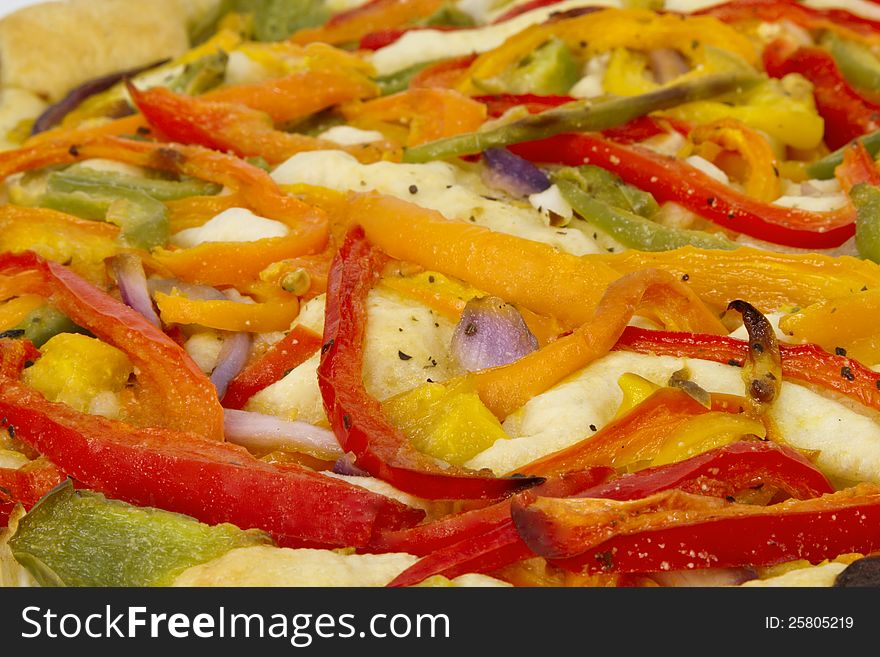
[267, 433]
[512, 174]
[491, 333]
[132, 283]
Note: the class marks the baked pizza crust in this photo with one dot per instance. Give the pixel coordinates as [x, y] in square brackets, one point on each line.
[50, 48]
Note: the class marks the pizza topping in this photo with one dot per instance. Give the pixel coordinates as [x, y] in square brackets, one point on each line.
[490, 333]
[762, 372]
[862, 572]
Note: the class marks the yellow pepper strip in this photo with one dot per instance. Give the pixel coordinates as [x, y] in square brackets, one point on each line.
[704, 432]
[733, 146]
[228, 315]
[769, 280]
[531, 274]
[505, 389]
[429, 114]
[784, 109]
[14, 311]
[602, 31]
[844, 322]
[636, 389]
[60, 237]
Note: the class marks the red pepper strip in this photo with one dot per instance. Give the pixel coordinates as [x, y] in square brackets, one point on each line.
[291, 351]
[230, 127]
[847, 114]
[426, 539]
[671, 179]
[857, 167]
[212, 481]
[26, 485]
[382, 38]
[722, 472]
[771, 11]
[171, 391]
[719, 473]
[676, 531]
[523, 8]
[356, 417]
[14, 355]
[808, 363]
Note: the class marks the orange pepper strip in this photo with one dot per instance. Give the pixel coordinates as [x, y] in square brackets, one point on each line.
[228, 315]
[505, 389]
[356, 23]
[635, 436]
[60, 237]
[538, 276]
[194, 211]
[227, 126]
[128, 125]
[722, 140]
[297, 95]
[430, 114]
[220, 263]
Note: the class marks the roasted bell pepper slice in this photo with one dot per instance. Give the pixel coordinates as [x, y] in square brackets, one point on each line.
[211, 481]
[162, 365]
[594, 33]
[505, 389]
[274, 315]
[808, 363]
[673, 530]
[213, 263]
[580, 116]
[356, 417]
[671, 179]
[80, 538]
[291, 351]
[26, 485]
[847, 114]
[353, 24]
[811, 18]
[484, 540]
[230, 127]
[60, 237]
[428, 114]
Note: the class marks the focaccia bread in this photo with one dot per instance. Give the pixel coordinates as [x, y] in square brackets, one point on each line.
[51, 47]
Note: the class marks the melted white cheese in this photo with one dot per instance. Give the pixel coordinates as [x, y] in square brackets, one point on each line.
[271, 566]
[348, 136]
[848, 443]
[551, 199]
[406, 344]
[823, 575]
[439, 186]
[232, 225]
[428, 45]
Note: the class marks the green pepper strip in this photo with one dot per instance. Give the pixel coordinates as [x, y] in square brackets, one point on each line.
[859, 65]
[633, 231]
[824, 169]
[581, 116]
[866, 198]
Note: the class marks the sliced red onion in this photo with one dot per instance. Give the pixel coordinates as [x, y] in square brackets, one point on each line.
[132, 283]
[491, 333]
[704, 577]
[189, 290]
[266, 433]
[345, 466]
[233, 356]
[667, 64]
[53, 114]
[512, 174]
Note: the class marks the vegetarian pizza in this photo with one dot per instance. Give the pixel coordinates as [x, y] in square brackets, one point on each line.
[426, 292]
